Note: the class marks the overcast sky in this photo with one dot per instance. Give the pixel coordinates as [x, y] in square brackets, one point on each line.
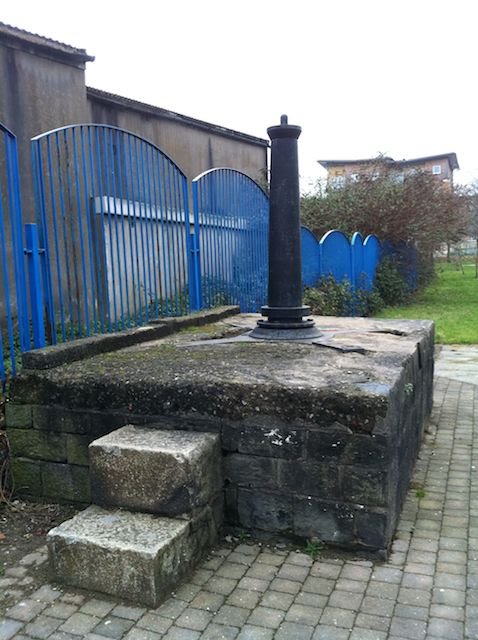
[361, 77]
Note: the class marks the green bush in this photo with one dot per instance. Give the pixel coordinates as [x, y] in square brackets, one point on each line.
[389, 283]
[329, 298]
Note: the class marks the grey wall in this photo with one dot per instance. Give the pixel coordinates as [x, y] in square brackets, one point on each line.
[37, 94]
[193, 145]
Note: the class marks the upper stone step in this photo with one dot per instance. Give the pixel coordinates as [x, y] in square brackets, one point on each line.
[136, 556]
[170, 473]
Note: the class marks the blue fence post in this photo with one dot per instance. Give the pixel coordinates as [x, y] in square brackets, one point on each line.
[34, 271]
[195, 292]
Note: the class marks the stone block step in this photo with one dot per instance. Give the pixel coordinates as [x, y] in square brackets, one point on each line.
[135, 556]
[170, 473]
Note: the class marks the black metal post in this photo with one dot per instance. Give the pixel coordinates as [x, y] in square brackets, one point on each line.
[285, 311]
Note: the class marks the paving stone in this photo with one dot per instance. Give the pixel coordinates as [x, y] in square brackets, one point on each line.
[244, 598]
[46, 593]
[96, 607]
[295, 631]
[450, 597]
[80, 623]
[293, 572]
[114, 627]
[447, 612]
[131, 613]
[208, 601]
[318, 585]
[266, 617]
[26, 610]
[42, 626]
[383, 590]
[271, 559]
[219, 632]
[154, 622]
[9, 627]
[249, 632]
[407, 628]
[232, 570]
[326, 632]
[369, 621]
[331, 571]
[414, 597]
[354, 586]
[299, 558]
[345, 600]
[367, 634]
[61, 610]
[277, 600]
[142, 634]
[310, 599]
[187, 592]
[377, 606]
[335, 617]
[263, 571]
[355, 572]
[287, 586]
[449, 629]
[172, 608]
[225, 586]
[253, 584]
[176, 633]
[234, 616]
[195, 619]
[408, 611]
[304, 615]
[387, 574]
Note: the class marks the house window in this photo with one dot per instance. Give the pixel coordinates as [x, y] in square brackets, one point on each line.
[338, 181]
[436, 169]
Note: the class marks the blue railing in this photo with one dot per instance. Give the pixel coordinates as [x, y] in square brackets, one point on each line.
[231, 221]
[14, 324]
[114, 224]
[116, 244]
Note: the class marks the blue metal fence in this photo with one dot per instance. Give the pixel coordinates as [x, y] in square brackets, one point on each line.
[115, 245]
[231, 220]
[14, 324]
[354, 260]
[113, 221]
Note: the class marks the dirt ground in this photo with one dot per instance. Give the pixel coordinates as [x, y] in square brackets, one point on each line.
[23, 528]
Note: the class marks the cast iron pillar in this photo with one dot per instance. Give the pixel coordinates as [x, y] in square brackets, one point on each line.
[285, 311]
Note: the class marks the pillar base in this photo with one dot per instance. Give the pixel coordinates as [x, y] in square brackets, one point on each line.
[301, 330]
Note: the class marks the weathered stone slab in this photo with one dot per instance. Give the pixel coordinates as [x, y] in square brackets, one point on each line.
[134, 556]
[170, 473]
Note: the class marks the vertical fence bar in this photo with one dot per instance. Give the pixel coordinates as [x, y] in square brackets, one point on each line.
[34, 270]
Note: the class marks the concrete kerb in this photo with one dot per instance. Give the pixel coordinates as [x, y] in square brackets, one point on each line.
[67, 352]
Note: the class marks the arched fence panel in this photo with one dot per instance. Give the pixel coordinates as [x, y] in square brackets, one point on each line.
[231, 221]
[114, 227]
[357, 261]
[371, 257]
[335, 256]
[310, 258]
[14, 323]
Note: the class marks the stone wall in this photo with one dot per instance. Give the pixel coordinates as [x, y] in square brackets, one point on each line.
[339, 475]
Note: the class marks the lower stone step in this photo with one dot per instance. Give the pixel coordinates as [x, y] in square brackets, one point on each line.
[135, 556]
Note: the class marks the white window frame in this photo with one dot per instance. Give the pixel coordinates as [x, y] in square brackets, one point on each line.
[436, 169]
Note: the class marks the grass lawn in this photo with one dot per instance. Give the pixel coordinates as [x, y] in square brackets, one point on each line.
[451, 301]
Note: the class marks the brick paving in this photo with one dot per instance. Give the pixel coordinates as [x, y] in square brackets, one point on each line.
[428, 588]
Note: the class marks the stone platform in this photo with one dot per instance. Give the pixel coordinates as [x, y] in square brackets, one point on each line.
[319, 439]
